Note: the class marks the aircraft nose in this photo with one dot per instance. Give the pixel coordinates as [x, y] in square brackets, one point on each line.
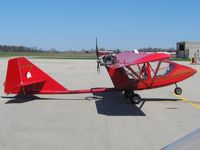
[190, 71]
[193, 71]
[184, 72]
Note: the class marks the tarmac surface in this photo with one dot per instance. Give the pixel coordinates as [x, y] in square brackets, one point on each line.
[95, 122]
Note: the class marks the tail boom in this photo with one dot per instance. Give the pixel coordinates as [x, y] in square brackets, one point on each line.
[93, 90]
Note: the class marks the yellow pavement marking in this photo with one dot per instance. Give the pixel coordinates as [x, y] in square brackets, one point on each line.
[188, 101]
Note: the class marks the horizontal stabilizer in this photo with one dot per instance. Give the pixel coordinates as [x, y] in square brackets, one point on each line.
[31, 83]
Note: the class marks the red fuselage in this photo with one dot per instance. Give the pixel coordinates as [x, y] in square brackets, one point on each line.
[149, 75]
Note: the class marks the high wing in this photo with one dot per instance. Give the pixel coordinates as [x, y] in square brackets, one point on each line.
[129, 58]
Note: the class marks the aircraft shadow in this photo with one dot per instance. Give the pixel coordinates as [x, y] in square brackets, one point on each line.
[109, 103]
[159, 99]
[27, 98]
[20, 98]
[114, 104]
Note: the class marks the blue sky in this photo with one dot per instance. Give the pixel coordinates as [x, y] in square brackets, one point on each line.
[74, 24]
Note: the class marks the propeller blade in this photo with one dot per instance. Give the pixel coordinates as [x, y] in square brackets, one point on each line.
[98, 68]
[97, 50]
[97, 55]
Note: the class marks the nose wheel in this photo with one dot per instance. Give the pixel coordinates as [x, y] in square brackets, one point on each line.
[132, 97]
[177, 90]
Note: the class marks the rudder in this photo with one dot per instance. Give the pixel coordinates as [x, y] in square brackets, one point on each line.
[23, 77]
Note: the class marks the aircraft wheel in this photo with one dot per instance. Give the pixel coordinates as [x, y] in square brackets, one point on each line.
[178, 91]
[136, 99]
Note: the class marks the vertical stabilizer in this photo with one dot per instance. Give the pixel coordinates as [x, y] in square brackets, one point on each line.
[23, 77]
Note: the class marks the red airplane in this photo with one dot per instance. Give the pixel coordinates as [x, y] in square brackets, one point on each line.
[128, 71]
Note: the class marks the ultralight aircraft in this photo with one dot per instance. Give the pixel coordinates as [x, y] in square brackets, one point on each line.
[128, 71]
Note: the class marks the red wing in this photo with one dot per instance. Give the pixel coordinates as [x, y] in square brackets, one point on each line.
[129, 58]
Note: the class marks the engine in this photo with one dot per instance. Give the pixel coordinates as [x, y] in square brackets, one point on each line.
[109, 59]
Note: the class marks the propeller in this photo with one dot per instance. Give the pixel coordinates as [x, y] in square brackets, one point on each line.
[97, 55]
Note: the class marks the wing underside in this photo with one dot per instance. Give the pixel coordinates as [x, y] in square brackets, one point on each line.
[128, 58]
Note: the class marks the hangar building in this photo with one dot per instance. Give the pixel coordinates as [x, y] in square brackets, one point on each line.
[187, 49]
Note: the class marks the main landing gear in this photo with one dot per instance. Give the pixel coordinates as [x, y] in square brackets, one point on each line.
[132, 97]
[177, 90]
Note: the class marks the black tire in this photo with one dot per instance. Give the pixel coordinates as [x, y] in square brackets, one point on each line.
[136, 99]
[178, 91]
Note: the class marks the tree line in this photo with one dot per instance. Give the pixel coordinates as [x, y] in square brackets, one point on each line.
[157, 49]
[6, 48]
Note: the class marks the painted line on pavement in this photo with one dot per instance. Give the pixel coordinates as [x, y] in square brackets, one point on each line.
[188, 101]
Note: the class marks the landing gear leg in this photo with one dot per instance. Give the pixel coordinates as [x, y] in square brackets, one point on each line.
[177, 90]
[132, 97]
[127, 94]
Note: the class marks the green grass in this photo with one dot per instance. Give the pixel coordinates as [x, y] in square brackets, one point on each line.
[180, 59]
[61, 55]
[50, 55]
[10, 54]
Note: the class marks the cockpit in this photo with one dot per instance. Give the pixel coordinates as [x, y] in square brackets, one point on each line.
[149, 70]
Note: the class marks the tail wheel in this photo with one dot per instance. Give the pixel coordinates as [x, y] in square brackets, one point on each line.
[178, 91]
